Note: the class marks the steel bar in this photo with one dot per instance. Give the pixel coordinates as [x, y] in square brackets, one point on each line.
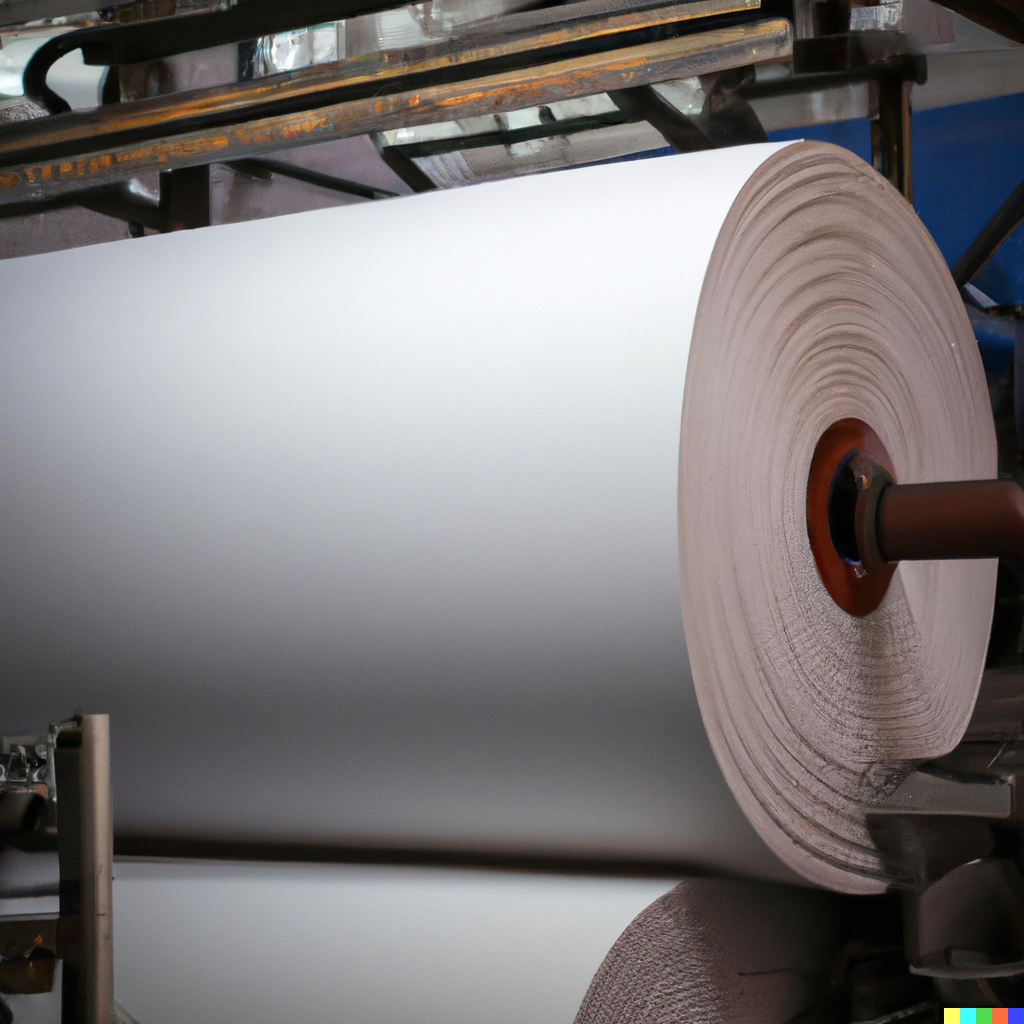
[514, 136]
[85, 851]
[406, 168]
[45, 159]
[991, 236]
[890, 133]
[185, 198]
[359, 78]
[909, 68]
[962, 519]
[259, 167]
[118, 199]
[644, 104]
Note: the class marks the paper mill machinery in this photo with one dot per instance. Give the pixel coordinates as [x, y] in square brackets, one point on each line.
[151, 117]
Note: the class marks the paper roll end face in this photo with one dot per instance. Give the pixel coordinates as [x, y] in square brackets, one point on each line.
[825, 301]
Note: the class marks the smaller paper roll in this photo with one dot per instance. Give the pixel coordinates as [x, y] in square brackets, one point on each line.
[718, 951]
[825, 298]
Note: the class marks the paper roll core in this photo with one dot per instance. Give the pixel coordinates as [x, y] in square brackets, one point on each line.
[853, 587]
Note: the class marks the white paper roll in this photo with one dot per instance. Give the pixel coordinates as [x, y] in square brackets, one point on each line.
[720, 951]
[361, 523]
[286, 498]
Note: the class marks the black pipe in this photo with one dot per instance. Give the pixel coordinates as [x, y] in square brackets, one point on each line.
[644, 104]
[259, 166]
[905, 68]
[991, 236]
[118, 200]
[141, 41]
[960, 519]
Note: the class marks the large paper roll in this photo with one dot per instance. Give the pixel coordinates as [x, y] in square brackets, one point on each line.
[294, 500]
[825, 301]
[361, 523]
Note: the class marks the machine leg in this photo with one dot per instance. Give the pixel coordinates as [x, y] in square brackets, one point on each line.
[86, 853]
[890, 132]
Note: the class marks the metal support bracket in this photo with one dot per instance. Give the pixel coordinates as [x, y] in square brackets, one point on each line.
[85, 843]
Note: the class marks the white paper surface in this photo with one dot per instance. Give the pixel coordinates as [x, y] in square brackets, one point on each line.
[361, 523]
[238, 943]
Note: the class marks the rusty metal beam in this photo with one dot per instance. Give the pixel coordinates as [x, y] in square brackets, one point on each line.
[86, 158]
[503, 48]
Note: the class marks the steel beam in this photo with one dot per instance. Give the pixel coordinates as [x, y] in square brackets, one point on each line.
[261, 168]
[678, 130]
[991, 236]
[85, 846]
[502, 48]
[44, 156]
[890, 133]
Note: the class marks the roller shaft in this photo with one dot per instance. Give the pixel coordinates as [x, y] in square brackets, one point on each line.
[962, 519]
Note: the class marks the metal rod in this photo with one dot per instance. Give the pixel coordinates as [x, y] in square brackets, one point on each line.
[991, 236]
[405, 167]
[260, 165]
[890, 133]
[904, 67]
[85, 851]
[185, 198]
[119, 200]
[496, 38]
[963, 519]
[676, 128]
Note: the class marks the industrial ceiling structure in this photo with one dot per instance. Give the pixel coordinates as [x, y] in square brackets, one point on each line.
[163, 115]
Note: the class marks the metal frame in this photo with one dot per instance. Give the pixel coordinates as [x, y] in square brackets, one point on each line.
[141, 41]
[85, 847]
[81, 935]
[45, 156]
